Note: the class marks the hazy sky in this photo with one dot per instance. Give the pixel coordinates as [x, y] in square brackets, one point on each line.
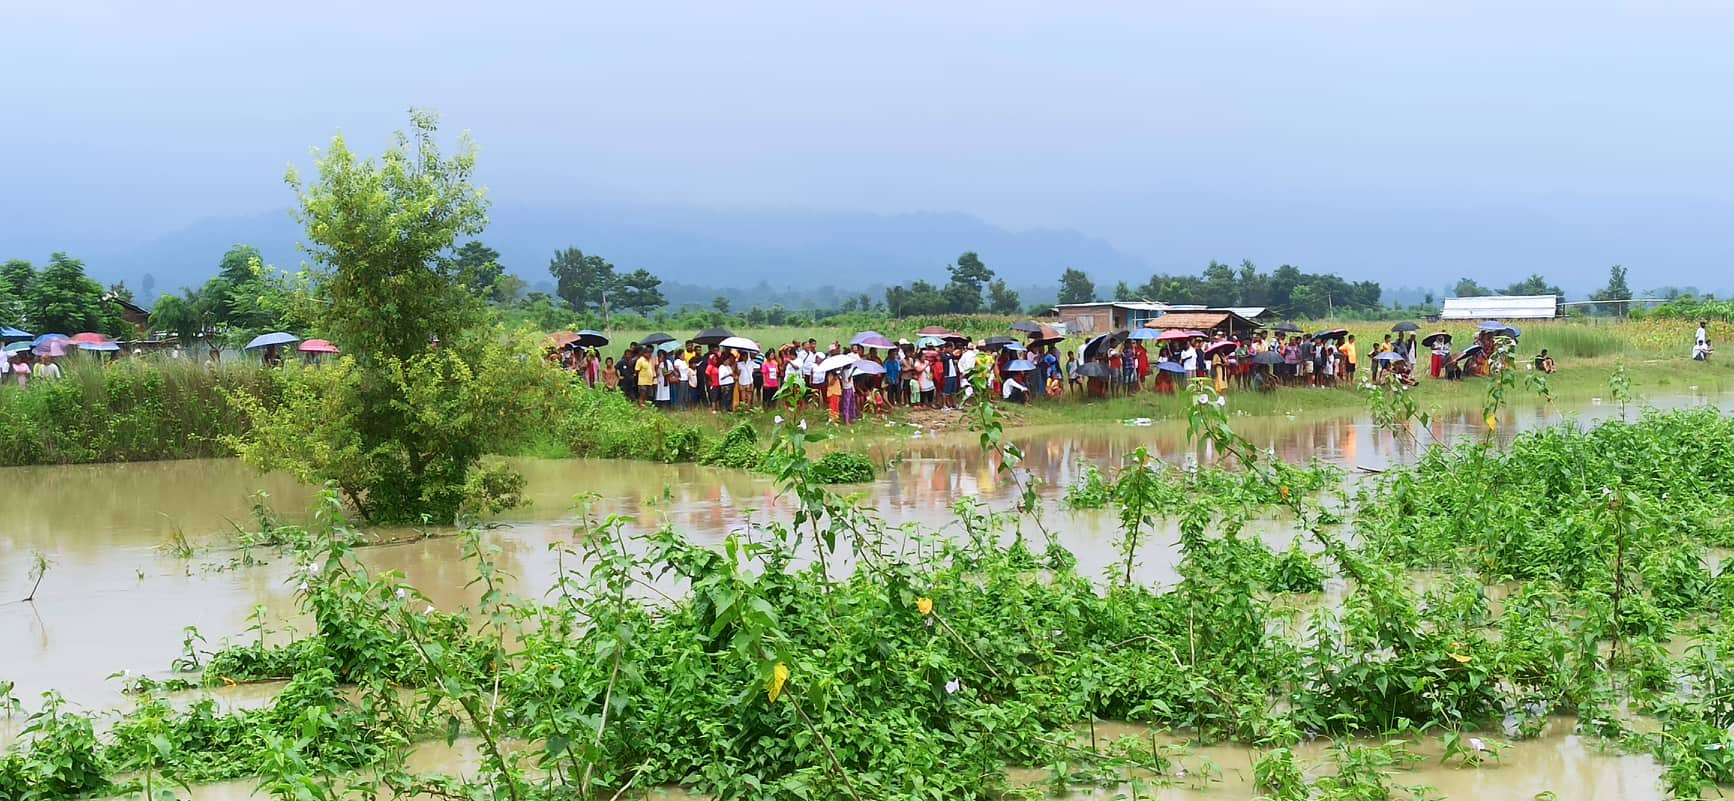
[1328, 133]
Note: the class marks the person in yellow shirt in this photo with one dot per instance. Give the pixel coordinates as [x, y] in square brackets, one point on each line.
[646, 369]
[1350, 357]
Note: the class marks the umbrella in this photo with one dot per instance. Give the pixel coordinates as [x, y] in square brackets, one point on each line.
[560, 339]
[1468, 352]
[1501, 328]
[1334, 333]
[50, 338]
[90, 338]
[53, 347]
[839, 360]
[8, 332]
[590, 339]
[17, 347]
[1267, 357]
[1019, 366]
[1405, 326]
[1388, 356]
[740, 343]
[317, 346]
[1014, 347]
[1216, 346]
[1434, 338]
[1174, 335]
[872, 339]
[712, 336]
[274, 338]
[1286, 328]
[1047, 336]
[1170, 367]
[1145, 333]
[934, 331]
[995, 342]
[1093, 370]
[1027, 326]
[104, 347]
[929, 342]
[656, 339]
[1096, 344]
[669, 346]
[869, 367]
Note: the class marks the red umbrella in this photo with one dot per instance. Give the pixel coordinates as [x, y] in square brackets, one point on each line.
[88, 338]
[1175, 335]
[1216, 346]
[317, 346]
[560, 339]
[934, 331]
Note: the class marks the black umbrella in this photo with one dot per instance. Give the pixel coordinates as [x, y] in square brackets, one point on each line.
[1468, 352]
[1267, 357]
[656, 339]
[1405, 326]
[1334, 333]
[1287, 328]
[712, 336]
[1096, 344]
[1434, 339]
[590, 339]
[991, 341]
[1093, 370]
[1027, 326]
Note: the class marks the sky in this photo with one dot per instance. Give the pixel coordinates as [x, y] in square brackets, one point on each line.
[1389, 140]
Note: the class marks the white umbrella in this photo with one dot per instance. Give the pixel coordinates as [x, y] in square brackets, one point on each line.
[839, 360]
[739, 343]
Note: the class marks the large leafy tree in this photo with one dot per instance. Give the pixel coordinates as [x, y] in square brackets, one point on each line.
[62, 299]
[1618, 292]
[477, 267]
[638, 291]
[1533, 285]
[591, 283]
[1076, 287]
[399, 424]
[1002, 299]
[968, 275]
[11, 305]
[1469, 288]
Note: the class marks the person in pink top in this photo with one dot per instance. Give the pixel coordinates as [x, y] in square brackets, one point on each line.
[771, 377]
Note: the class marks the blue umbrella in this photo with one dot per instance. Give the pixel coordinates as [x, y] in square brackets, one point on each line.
[668, 347]
[1014, 347]
[868, 367]
[17, 347]
[1170, 367]
[1388, 356]
[929, 342]
[47, 338]
[1019, 366]
[1144, 333]
[103, 347]
[1498, 327]
[8, 332]
[273, 338]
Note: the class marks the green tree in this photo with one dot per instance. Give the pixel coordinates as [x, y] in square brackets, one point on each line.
[1533, 285]
[1076, 287]
[963, 291]
[1469, 288]
[720, 303]
[11, 305]
[1617, 292]
[19, 275]
[399, 424]
[638, 291]
[119, 291]
[179, 315]
[1002, 299]
[1123, 291]
[64, 300]
[477, 266]
[508, 289]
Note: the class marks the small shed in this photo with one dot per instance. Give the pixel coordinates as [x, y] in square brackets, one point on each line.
[1107, 315]
[1226, 322]
[1501, 307]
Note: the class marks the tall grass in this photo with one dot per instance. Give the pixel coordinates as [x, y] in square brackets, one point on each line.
[127, 411]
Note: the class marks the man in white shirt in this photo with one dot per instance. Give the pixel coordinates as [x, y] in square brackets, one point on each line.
[47, 369]
[684, 385]
[1189, 360]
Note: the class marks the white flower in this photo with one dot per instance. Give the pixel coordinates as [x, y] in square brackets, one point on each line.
[429, 610]
[313, 568]
[778, 419]
[1203, 399]
[302, 587]
[1221, 400]
[401, 594]
[1475, 743]
[126, 673]
[951, 687]
[803, 425]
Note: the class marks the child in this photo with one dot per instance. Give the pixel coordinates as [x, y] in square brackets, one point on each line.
[834, 396]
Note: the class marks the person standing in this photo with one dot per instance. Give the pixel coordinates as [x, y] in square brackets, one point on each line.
[47, 369]
[770, 377]
[649, 371]
[1351, 358]
[1701, 342]
[1441, 352]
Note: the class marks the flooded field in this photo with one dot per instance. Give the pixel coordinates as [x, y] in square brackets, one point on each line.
[140, 552]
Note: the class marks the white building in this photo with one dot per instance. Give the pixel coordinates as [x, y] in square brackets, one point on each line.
[1501, 307]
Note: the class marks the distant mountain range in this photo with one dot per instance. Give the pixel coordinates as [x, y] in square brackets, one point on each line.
[699, 249]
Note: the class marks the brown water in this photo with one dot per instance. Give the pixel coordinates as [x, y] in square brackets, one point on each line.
[115, 599]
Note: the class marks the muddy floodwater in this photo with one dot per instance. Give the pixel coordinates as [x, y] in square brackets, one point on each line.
[121, 588]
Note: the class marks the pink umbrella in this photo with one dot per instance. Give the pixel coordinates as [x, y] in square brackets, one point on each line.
[1174, 336]
[89, 338]
[317, 346]
[53, 347]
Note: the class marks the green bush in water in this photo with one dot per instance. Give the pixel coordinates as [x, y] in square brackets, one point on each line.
[839, 467]
[1294, 571]
[738, 449]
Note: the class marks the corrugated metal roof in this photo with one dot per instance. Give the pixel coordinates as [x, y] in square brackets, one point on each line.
[1501, 307]
[1201, 320]
[1134, 305]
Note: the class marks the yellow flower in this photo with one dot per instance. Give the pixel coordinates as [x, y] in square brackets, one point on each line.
[1492, 423]
[1283, 490]
[779, 674]
[1462, 659]
[925, 605]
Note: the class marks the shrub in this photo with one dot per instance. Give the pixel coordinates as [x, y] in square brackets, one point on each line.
[839, 467]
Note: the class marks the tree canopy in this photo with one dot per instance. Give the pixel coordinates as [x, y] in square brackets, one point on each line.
[1076, 287]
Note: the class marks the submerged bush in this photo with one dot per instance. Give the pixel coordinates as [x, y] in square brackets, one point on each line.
[739, 448]
[842, 467]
